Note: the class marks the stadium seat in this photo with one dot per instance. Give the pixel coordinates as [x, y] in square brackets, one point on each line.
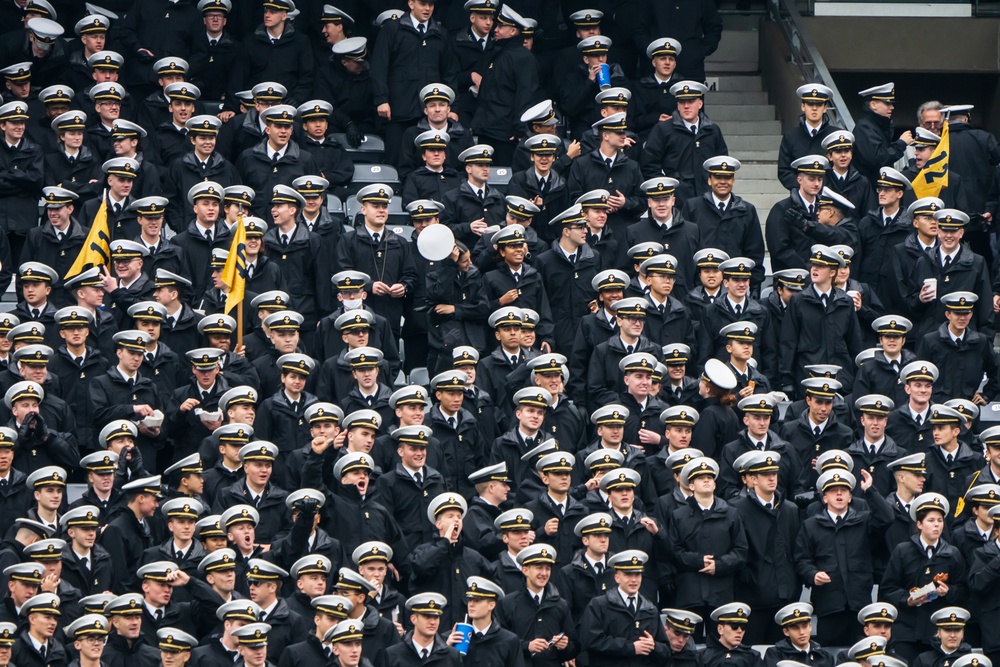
[500, 178]
[372, 148]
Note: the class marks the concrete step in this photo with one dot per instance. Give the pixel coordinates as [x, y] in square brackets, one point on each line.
[738, 83]
[715, 99]
[739, 143]
[769, 185]
[734, 128]
[736, 46]
[769, 157]
[752, 172]
[747, 112]
[763, 202]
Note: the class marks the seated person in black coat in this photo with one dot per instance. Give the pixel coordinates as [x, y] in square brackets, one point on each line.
[332, 161]
[796, 624]
[434, 178]
[727, 647]
[42, 612]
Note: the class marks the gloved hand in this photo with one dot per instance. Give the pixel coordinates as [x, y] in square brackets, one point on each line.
[354, 135]
[795, 217]
[41, 430]
[309, 506]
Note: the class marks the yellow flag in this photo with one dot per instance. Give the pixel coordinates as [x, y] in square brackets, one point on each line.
[234, 273]
[95, 250]
[934, 176]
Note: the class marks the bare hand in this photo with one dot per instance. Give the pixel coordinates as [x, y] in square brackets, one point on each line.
[189, 404]
[617, 200]
[927, 294]
[709, 568]
[592, 74]
[455, 637]
[143, 410]
[996, 303]
[593, 484]
[538, 201]
[384, 111]
[545, 348]
[821, 579]
[110, 283]
[906, 137]
[148, 431]
[444, 309]
[338, 442]
[574, 150]
[857, 301]
[226, 116]
[648, 437]
[147, 52]
[50, 583]
[629, 142]
[508, 297]
[561, 641]
[178, 578]
[942, 589]
[399, 628]
[320, 444]
[916, 602]
[477, 79]
[212, 425]
[551, 526]
[538, 645]
[866, 480]
[478, 227]
[240, 351]
[665, 116]
[650, 525]
[746, 391]
[978, 399]
[397, 291]
[380, 288]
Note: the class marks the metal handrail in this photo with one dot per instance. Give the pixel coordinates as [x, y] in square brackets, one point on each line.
[806, 56]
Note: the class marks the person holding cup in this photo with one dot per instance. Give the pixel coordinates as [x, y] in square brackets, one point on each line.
[481, 639]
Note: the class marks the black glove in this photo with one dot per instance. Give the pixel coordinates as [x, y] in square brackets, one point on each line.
[41, 430]
[309, 506]
[24, 430]
[805, 499]
[795, 217]
[354, 135]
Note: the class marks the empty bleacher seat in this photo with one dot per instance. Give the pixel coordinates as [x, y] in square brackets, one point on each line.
[372, 148]
[500, 178]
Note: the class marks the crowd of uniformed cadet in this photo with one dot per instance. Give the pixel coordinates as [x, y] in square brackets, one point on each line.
[628, 447]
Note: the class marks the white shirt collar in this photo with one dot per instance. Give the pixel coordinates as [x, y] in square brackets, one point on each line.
[417, 24]
[822, 424]
[833, 516]
[822, 294]
[281, 151]
[626, 596]
[721, 201]
[877, 444]
[944, 255]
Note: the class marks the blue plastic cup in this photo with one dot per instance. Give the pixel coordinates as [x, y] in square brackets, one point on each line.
[466, 630]
[604, 76]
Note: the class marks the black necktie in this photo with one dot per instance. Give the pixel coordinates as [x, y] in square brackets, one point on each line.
[35, 313]
[159, 615]
[481, 194]
[369, 399]
[41, 651]
[947, 261]
[423, 654]
[599, 568]
[738, 309]
[274, 40]
[722, 207]
[274, 157]
[918, 419]
[824, 300]
[517, 277]
[817, 431]
[930, 552]
[629, 349]
[171, 321]
[72, 159]
[284, 240]
[811, 208]
[208, 236]
[558, 509]
[609, 162]
[812, 131]
[418, 478]
[204, 396]
[482, 43]
[895, 367]
[542, 184]
[871, 449]
[213, 42]
[537, 599]
[421, 29]
[117, 208]
[85, 562]
[840, 518]
[149, 357]
[179, 556]
[3, 484]
[451, 423]
[377, 238]
[631, 605]
[513, 360]
[950, 458]
[131, 383]
[767, 506]
[250, 270]
[572, 258]
[295, 406]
